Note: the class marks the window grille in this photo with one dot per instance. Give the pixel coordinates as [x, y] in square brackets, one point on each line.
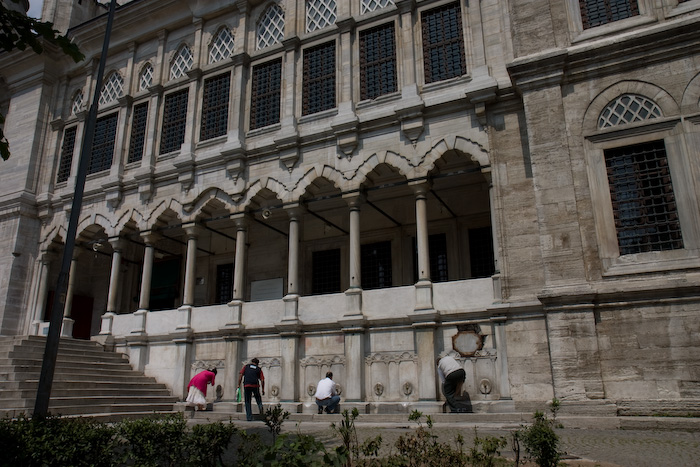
[270, 27]
[325, 275]
[319, 78]
[481, 257]
[224, 283]
[146, 77]
[628, 108]
[598, 12]
[377, 61]
[112, 89]
[643, 202]
[182, 62]
[215, 106]
[266, 94]
[221, 46]
[320, 13]
[371, 5]
[103, 144]
[66, 154]
[443, 45]
[376, 265]
[77, 105]
[138, 132]
[174, 121]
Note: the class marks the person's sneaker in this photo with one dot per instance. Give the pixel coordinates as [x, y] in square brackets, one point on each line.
[320, 409]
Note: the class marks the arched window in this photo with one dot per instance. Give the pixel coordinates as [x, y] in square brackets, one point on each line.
[320, 13]
[371, 5]
[221, 46]
[77, 104]
[182, 62]
[146, 77]
[112, 88]
[270, 28]
[628, 108]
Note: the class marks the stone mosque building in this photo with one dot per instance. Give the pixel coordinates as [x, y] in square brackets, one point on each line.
[362, 186]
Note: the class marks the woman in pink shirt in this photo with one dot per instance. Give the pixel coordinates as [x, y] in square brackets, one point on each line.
[197, 394]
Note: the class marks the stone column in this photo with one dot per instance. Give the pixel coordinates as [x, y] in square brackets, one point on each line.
[424, 287]
[236, 304]
[291, 300]
[43, 291]
[354, 292]
[232, 361]
[67, 328]
[502, 355]
[354, 364]
[114, 277]
[289, 347]
[495, 229]
[192, 232]
[147, 272]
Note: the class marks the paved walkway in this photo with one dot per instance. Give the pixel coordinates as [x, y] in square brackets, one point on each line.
[583, 447]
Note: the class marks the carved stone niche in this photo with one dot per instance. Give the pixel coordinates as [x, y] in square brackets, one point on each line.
[468, 340]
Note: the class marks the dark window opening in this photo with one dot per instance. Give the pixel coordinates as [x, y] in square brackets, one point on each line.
[376, 265]
[481, 259]
[266, 94]
[103, 144]
[643, 201]
[598, 12]
[224, 283]
[174, 121]
[443, 45]
[437, 250]
[215, 107]
[325, 275]
[138, 132]
[377, 62]
[66, 155]
[319, 78]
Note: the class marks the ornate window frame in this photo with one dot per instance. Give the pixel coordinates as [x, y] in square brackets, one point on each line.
[668, 129]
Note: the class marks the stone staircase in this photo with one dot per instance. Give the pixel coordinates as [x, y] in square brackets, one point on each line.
[88, 381]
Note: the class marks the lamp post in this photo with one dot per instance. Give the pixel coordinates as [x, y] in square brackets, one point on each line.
[48, 366]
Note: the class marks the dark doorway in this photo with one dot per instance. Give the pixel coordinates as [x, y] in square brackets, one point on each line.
[165, 284]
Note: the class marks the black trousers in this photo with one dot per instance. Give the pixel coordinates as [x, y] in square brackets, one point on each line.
[449, 387]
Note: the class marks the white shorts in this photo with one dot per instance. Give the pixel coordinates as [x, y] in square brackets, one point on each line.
[196, 397]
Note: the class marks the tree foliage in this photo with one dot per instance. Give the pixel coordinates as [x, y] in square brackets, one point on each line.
[18, 31]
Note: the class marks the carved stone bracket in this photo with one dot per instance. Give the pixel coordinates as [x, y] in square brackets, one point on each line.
[208, 364]
[391, 357]
[325, 360]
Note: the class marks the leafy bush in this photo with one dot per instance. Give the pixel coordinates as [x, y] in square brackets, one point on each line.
[154, 441]
[539, 439]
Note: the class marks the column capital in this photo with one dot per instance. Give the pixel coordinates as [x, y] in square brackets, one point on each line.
[150, 237]
[294, 211]
[420, 186]
[192, 229]
[116, 242]
[354, 199]
[241, 220]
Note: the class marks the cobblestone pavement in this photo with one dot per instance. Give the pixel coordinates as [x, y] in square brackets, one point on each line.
[583, 447]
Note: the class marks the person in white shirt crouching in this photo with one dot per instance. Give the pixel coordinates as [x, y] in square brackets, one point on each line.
[327, 395]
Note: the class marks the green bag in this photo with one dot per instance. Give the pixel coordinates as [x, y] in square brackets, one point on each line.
[238, 394]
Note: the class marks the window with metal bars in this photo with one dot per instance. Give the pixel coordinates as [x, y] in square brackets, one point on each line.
[325, 271]
[66, 154]
[376, 265]
[319, 78]
[174, 121]
[103, 144]
[138, 132]
[643, 202]
[266, 94]
[437, 250]
[377, 61]
[598, 12]
[443, 45]
[215, 106]
[224, 283]
[481, 259]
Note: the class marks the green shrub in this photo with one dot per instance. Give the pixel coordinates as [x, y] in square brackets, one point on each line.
[539, 439]
[154, 441]
[205, 444]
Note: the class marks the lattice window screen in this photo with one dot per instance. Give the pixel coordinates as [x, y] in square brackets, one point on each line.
[320, 13]
[270, 28]
[371, 5]
[146, 77]
[77, 105]
[628, 108]
[222, 46]
[112, 89]
[182, 62]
